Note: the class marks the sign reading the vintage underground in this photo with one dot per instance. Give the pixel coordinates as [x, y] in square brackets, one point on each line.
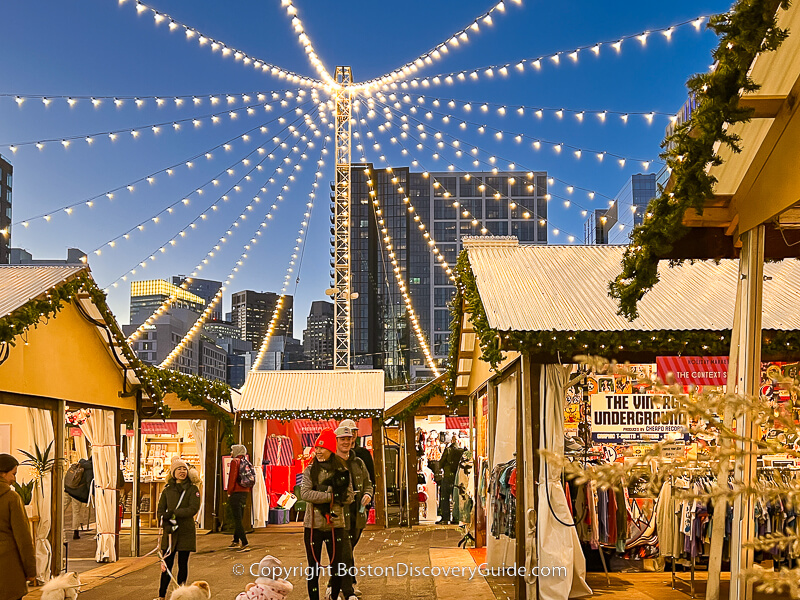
[626, 418]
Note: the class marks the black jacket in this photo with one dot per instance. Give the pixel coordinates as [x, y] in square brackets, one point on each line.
[83, 490]
[450, 459]
[366, 456]
[184, 538]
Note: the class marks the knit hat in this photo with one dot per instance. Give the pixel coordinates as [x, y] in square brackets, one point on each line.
[176, 464]
[7, 463]
[269, 567]
[347, 428]
[238, 450]
[327, 440]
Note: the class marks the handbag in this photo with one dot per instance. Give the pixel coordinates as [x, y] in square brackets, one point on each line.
[287, 500]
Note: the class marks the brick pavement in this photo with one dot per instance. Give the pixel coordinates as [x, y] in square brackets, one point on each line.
[137, 579]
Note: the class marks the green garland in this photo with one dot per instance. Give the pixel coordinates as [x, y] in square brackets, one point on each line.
[209, 395]
[313, 414]
[551, 345]
[748, 29]
[437, 389]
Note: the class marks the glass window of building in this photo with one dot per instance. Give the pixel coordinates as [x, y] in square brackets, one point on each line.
[443, 209]
[446, 184]
[444, 231]
[470, 187]
[497, 227]
[442, 296]
[496, 185]
[441, 320]
[496, 209]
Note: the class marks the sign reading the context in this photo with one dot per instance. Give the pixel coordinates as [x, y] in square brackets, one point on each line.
[626, 418]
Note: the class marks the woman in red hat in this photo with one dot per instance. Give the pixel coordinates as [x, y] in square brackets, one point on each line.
[328, 490]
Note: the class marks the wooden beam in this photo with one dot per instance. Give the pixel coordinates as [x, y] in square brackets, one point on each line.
[711, 217]
[380, 472]
[411, 470]
[764, 106]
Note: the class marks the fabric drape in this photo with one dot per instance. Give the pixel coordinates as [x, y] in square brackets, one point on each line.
[502, 552]
[99, 432]
[557, 544]
[40, 430]
[199, 428]
[260, 498]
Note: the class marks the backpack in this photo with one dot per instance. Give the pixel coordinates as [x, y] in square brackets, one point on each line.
[247, 475]
[74, 476]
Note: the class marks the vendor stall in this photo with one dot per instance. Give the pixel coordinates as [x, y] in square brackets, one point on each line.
[282, 412]
[528, 315]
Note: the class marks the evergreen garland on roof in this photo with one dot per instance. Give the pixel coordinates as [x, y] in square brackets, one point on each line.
[749, 28]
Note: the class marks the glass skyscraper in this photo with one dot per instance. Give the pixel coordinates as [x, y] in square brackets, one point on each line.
[451, 206]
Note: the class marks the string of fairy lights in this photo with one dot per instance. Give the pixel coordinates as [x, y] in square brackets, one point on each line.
[421, 131]
[187, 164]
[296, 252]
[396, 268]
[536, 63]
[222, 240]
[143, 101]
[225, 50]
[211, 208]
[515, 205]
[437, 52]
[521, 110]
[191, 334]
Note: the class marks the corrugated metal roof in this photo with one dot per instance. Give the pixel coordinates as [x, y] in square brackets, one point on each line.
[312, 390]
[20, 283]
[565, 288]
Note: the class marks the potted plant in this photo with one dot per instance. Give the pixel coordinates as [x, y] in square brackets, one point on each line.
[41, 463]
[25, 491]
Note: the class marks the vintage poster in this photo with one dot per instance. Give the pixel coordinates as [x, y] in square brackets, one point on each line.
[631, 418]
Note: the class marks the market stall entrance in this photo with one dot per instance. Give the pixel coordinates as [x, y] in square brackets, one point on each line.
[281, 412]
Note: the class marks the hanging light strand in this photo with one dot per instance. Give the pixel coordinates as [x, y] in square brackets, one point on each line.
[284, 189]
[437, 52]
[302, 36]
[187, 339]
[536, 64]
[224, 49]
[150, 178]
[499, 134]
[521, 110]
[224, 197]
[298, 249]
[175, 125]
[141, 101]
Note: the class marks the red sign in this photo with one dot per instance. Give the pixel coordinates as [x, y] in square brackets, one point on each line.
[694, 370]
[160, 427]
[75, 432]
[456, 422]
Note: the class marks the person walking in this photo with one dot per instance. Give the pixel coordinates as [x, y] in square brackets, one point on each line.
[177, 507]
[328, 490]
[16, 544]
[238, 493]
[356, 517]
[449, 465]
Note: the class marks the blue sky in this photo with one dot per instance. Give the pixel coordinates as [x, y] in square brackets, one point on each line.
[102, 48]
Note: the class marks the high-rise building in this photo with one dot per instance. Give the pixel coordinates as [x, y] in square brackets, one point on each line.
[606, 226]
[318, 335]
[252, 312]
[202, 356]
[206, 289]
[283, 354]
[20, 256]
[6, 182]
[452, 206]
[147, 296]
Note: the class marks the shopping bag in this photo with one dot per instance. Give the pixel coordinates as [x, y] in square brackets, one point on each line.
[287, 500]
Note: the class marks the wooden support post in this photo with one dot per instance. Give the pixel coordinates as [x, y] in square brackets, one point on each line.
[57, 489]
[137, 474]
[380, 472]
[749, 380]
[720, 504]
[209, 474]
[521, 592]
[117, 479]
[411, 470]
[246, 440]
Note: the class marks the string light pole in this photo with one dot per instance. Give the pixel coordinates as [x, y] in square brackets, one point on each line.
[341, 246]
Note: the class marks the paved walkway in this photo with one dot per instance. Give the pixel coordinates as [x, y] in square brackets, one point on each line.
[426, 546]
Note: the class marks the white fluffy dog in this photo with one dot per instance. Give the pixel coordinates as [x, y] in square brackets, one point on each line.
[63, 587]
[198, 590]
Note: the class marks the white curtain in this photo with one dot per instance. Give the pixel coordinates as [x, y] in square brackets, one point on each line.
[557, 542]
[80, 446]
[502, 552]
[99, 432]
[260, 497]
[199, 427]
[40, 434]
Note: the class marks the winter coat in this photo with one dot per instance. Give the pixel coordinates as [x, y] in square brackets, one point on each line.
[311, 491]
[82, 492]
[184, 538]
[366, 456]
[233, 478]
[450, 459]
[361, 485]
[16, 545]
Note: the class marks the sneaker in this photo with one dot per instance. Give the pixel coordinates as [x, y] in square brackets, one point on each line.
[245, 548]
[233, 546]
[354, 597]
[328, 593]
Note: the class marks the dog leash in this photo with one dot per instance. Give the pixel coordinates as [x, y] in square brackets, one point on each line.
[169, 546]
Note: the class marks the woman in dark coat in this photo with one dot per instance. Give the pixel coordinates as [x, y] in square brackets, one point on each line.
[179, 503]
[16, 545]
